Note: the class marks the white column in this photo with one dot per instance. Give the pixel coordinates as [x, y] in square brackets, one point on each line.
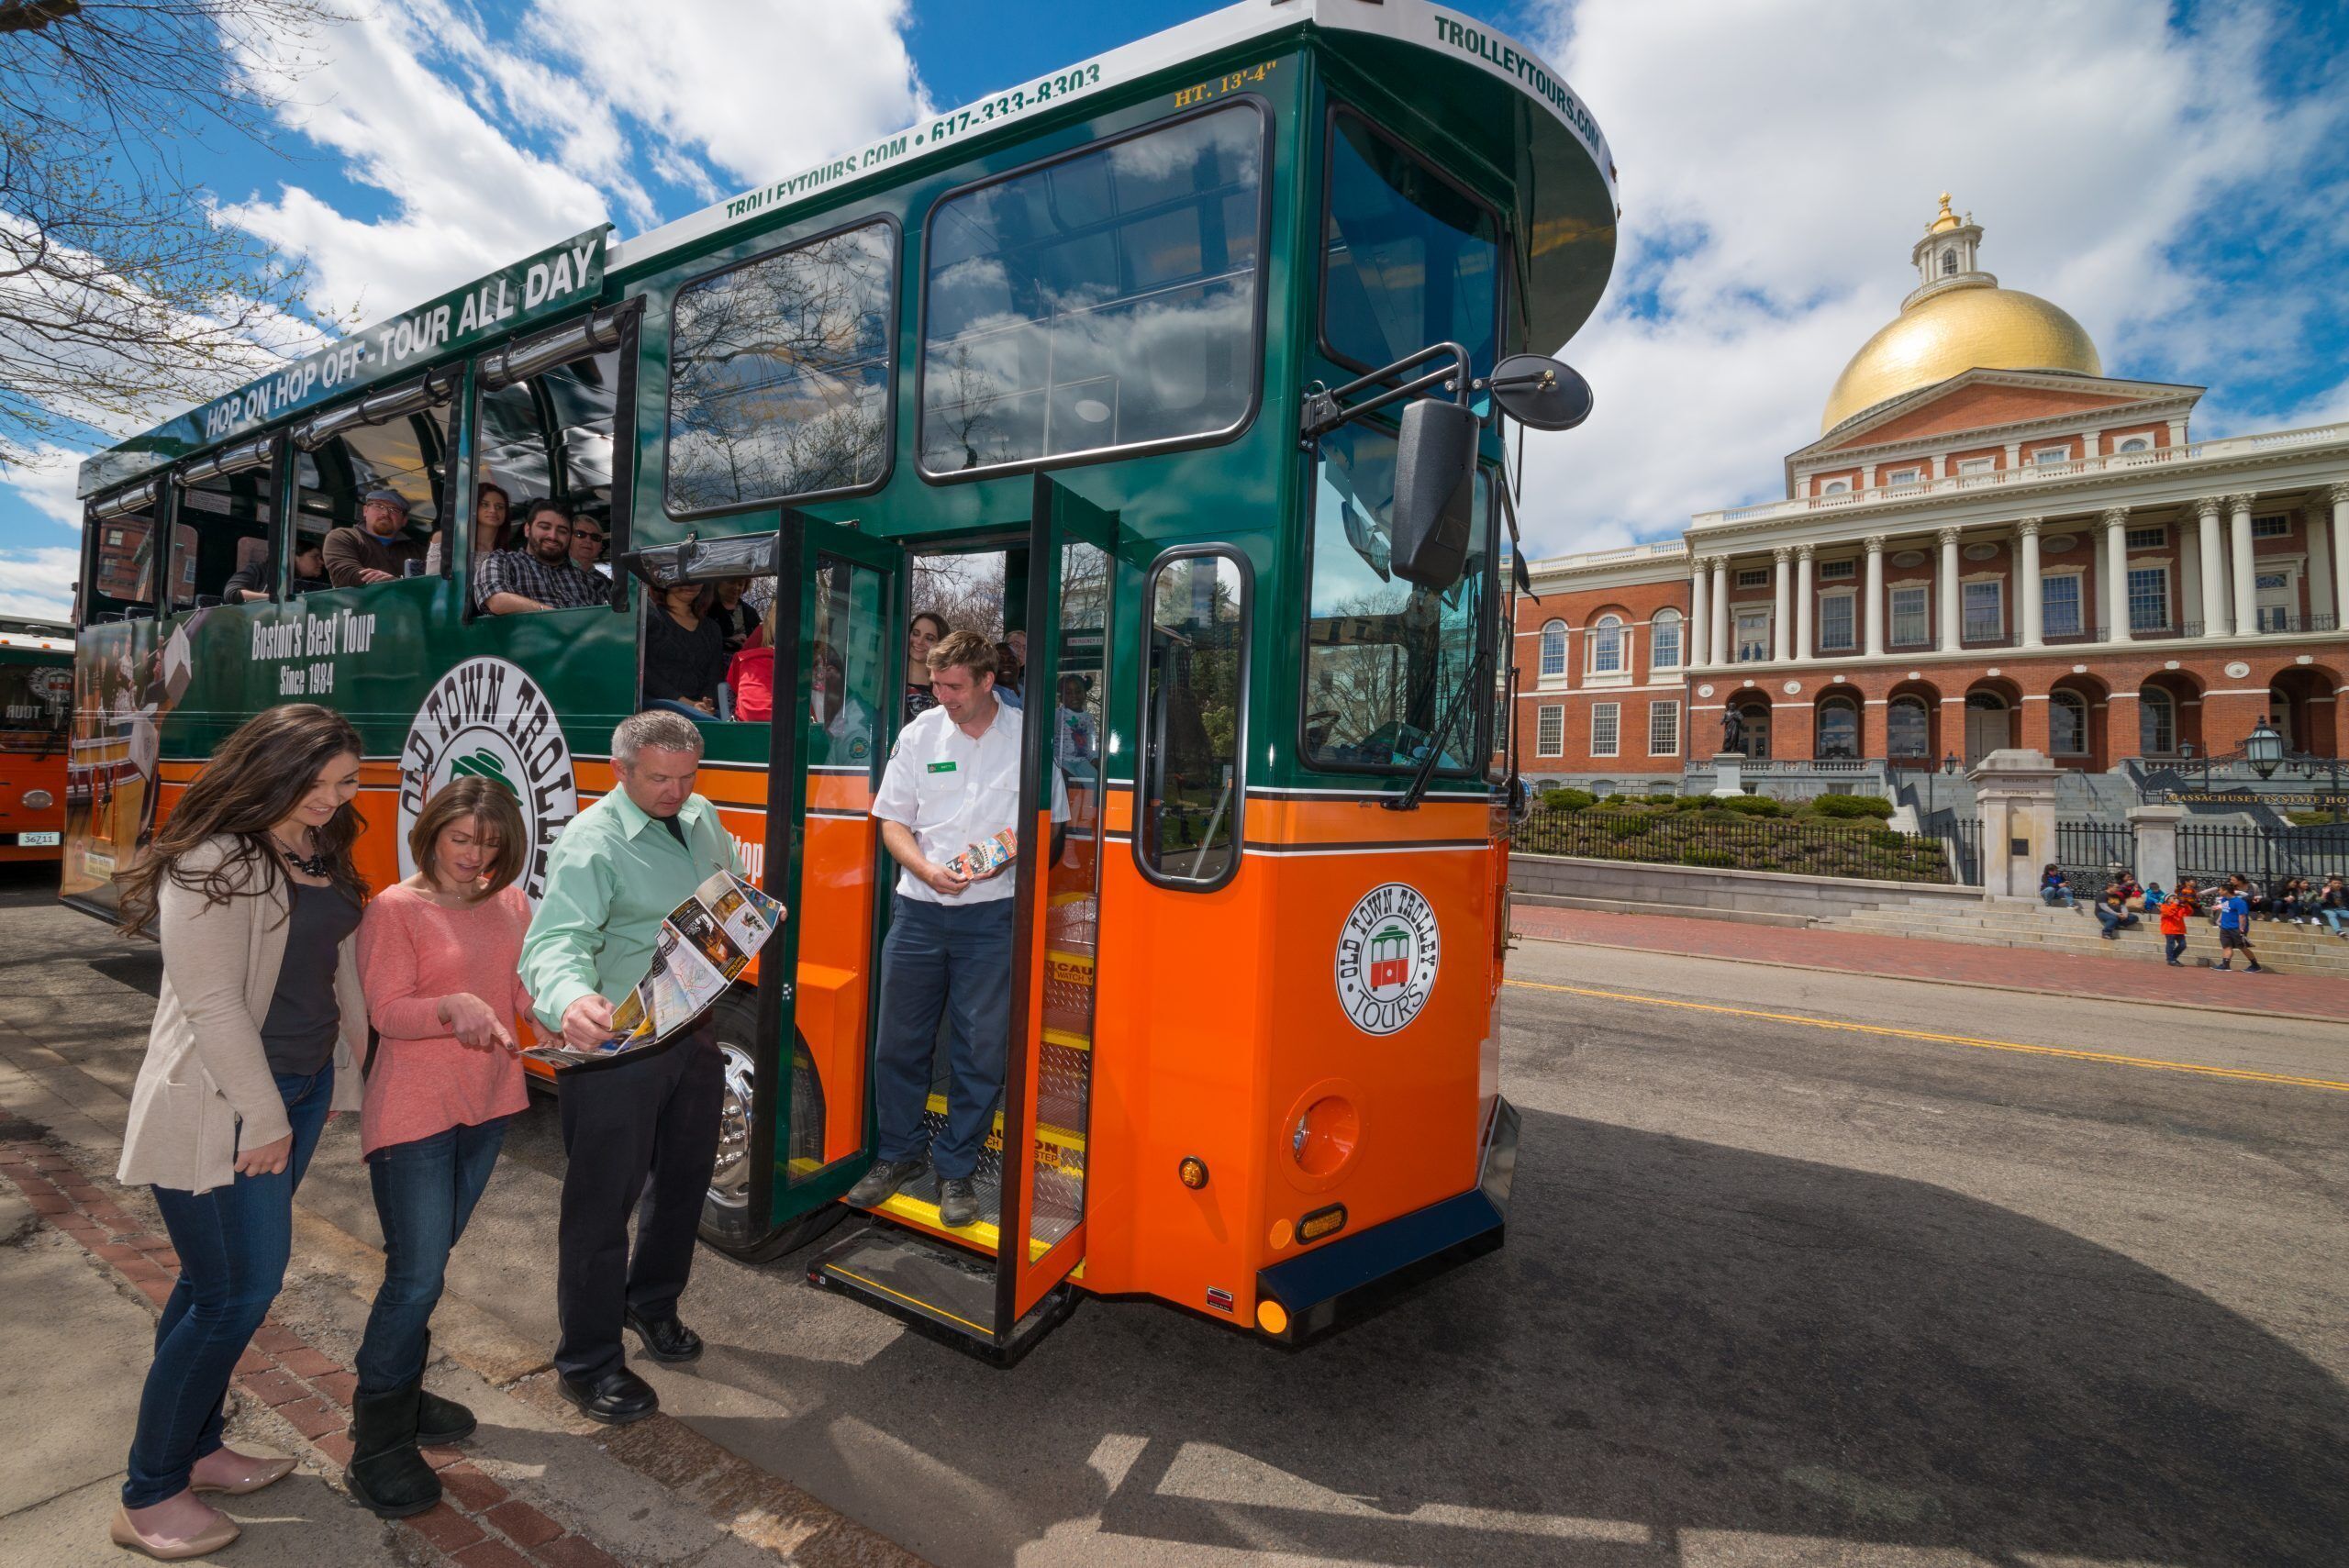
[2323, 542]
[2247, 588]
[1804, 641]
[2116, 573]
[1947, 590]
[1872, 610]
[2014, 457]
[2027, 597]
[2218, 619]
[2091, 445]
[1722, 651]
[2178, 432]
[1700, 617]
[1781, 602]
[2339, 495]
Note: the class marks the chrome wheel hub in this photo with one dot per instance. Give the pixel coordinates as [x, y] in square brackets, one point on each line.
[730, 1176]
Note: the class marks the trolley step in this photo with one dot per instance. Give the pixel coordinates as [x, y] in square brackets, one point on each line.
[1059, 1199]
[940, 1291]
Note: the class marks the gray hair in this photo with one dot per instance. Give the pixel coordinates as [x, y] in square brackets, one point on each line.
[656, 727]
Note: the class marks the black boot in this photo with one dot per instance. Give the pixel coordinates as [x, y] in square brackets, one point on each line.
[386, 1476]
[442, 1421]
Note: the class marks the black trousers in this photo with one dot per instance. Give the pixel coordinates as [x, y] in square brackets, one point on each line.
[639, 1137]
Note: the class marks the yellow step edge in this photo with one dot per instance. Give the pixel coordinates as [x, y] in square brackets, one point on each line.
[984, 1234]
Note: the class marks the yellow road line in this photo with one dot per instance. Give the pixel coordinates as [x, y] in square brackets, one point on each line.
[2244, 1074]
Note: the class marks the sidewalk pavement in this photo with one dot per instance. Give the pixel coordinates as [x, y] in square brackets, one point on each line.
[84, 1268]
[2316, 997]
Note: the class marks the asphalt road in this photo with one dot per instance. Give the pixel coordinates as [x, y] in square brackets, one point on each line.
[1774, 1293]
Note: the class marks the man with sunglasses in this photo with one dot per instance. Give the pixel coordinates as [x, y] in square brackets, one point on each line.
[587, 546]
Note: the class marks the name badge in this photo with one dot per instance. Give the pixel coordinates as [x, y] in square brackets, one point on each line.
[941, 767]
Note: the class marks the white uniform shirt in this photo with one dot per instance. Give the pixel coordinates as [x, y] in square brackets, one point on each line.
[954, 792]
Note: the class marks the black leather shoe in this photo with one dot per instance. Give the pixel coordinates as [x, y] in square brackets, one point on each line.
[885, 1177]
[665, 1339]
[615, 1399]
[958, 1203]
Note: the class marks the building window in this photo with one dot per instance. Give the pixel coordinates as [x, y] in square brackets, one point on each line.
[2151, 537]
[1913, 624]
[1839, 730]
[1549, 731]
[2149, 598]
[1835, 622]
[1949, 263]
[1663, 729]
[1985, 611]
[1908, 727]
[1605, 728]
[2156, 722]
[1664, 640]
[1606, 646]
[2278, 526]
[1969, 466]
[1835, 487]
[1752, 636]
[2067, 724]
[1754, 577]
[1837, 571]
[2059, 605]
[1901, 476]
[2045, 455]
[1553, 648]
[2276, 599]
[2136, 444]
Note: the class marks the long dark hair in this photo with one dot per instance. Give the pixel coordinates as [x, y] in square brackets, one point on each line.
[254, 780]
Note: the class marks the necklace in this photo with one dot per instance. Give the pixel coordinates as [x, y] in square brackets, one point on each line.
[308, 865]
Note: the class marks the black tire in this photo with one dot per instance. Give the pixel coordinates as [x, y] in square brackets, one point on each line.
[725, 1212]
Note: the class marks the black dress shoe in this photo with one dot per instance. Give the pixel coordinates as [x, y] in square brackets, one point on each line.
[958, 1203]
[884, 1178]
[614, 1398]
[665, 1339]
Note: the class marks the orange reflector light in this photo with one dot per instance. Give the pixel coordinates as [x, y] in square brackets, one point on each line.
[1272, 1318]
[1283, 1233]
[1194, 1172]
[1322, 1223]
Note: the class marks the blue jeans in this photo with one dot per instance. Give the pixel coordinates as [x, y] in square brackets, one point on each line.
[2333, 918]
[2054, 896]
[670, 704]
[2115, 920]
[2173, 947]
[425, 1192]
[233, 1242]
[954, 960]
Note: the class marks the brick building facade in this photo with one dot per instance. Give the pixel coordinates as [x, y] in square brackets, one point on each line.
[1992, 543]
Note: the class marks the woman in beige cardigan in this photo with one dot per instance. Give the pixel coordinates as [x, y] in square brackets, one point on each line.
[258, 1037]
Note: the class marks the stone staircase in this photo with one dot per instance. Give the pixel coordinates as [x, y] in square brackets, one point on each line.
[2286, 949]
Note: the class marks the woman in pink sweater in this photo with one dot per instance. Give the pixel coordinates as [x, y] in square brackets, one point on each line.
[439, 955]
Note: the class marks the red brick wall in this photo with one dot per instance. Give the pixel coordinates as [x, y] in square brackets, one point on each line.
[1972, 407]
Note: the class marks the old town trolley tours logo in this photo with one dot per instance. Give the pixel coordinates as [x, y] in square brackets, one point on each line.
[1387, 953]
[486, 718]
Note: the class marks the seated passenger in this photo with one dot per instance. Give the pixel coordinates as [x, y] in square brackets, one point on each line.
[541, 574]
[750, 675]
[376, 548]
[490, 505]
[841, 731]
[588, 547]
[257, 583]
[735, 615]
[685, 653]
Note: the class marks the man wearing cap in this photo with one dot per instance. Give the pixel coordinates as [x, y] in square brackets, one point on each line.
[376, 548]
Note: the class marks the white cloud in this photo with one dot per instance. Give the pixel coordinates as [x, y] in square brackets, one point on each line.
[38, 583]
[1778, 159]
[46, 483]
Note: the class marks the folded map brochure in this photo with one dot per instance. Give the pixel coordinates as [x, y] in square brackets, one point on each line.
[703, 946]
[993, 855]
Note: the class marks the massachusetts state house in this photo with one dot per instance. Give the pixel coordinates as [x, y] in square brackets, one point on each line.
[1992, 543]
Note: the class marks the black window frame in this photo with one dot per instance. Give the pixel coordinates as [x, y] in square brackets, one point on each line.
[1504, 280]
[93, 525]
[889, 381]
[1227, 551]
[1238, 427]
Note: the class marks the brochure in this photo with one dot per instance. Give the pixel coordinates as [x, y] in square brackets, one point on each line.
[705, 943]
[983, 859]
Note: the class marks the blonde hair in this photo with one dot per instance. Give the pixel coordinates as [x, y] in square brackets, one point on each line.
[964, 650]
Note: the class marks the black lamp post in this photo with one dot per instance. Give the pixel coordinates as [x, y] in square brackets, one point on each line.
[1948, 763]
[2263, 749]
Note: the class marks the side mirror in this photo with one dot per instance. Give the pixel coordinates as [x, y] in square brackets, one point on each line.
[1431, 524]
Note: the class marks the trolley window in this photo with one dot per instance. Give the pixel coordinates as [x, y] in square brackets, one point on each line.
[1385, 660]
[779, 374]
[222, 539]
[35, 705]
[408, 453]
[121, 566]
[1409, 259]
[1109, 299]
[1193, 716]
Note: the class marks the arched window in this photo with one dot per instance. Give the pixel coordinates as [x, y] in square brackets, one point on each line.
[1839, 730]
[2067, 724]
[1606, 646]
[1663, 644]
[1949, 263]
[1553, 648]
[2156, 722]
[1908, 728]
[1836, 487]
[2136, 444]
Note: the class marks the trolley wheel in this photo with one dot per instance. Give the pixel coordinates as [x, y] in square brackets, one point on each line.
[726, 1209]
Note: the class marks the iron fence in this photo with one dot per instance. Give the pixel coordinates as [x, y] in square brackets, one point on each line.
[1719, 838]
[2218, 850]
[2089, 850]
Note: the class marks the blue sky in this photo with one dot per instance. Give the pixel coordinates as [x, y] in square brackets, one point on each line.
[2177, 179]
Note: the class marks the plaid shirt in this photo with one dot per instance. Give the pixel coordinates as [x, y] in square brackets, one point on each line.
[562, 586]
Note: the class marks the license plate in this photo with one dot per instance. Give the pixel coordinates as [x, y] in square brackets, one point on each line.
[39, 840]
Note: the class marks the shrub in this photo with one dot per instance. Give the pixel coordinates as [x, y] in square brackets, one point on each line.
[1847, 807]
[1687, 803]
[1616, 799]
[1629, 827]
[1886, 839]
[1756, 805]
[1567, 799]
[1718, 858]
[1661, 799]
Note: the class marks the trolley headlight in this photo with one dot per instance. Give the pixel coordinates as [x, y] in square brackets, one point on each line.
[38, 800]
[1324, 1137]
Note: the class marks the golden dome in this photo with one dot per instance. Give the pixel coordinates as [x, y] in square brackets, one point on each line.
[1954, 330]
[1944, 219]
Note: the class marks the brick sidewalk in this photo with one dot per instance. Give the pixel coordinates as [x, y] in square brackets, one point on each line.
[2314, 997]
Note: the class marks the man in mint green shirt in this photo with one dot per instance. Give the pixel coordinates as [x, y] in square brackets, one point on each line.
[615, 873]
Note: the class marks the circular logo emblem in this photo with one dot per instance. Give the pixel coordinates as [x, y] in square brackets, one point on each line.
[486, 719]
[1387, 953]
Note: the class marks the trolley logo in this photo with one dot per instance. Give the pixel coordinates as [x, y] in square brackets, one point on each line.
[1388, 951]
[486, 719]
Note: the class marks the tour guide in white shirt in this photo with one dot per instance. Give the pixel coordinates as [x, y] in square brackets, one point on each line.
[953, 782]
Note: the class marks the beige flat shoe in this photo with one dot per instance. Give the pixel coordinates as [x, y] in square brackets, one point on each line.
[172, 1549]
[237, 1474]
